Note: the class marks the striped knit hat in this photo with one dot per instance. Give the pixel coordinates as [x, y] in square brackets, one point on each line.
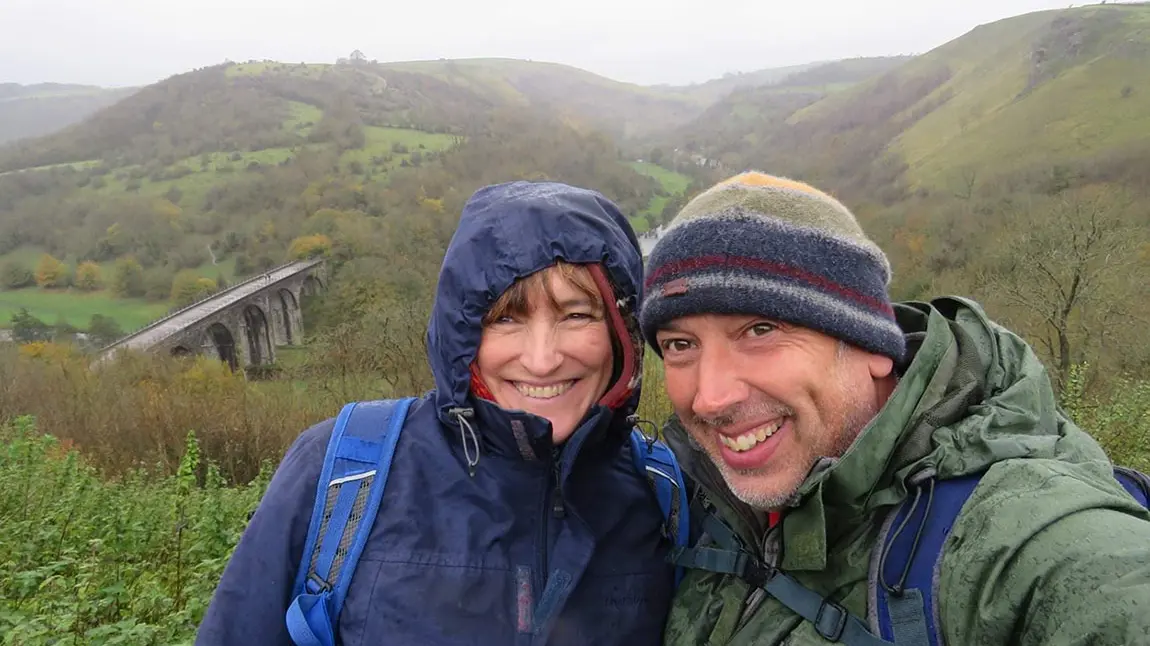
[758, 244]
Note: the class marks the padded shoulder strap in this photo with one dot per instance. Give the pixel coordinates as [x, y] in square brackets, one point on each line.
[351, 485]
[903, 600]
[655, 461]
[1136, 482]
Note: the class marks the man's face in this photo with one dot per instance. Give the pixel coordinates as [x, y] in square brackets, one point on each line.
[765, 400]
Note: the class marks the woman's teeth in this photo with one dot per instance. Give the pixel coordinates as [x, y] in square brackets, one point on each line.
[544, 392]
[751, 438]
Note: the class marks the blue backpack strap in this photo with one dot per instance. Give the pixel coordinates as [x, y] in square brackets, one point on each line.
[351, 484]
[912, 540]
[655, 461]
[1135, 482]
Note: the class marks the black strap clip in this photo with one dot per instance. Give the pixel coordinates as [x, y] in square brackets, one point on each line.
[831, 621]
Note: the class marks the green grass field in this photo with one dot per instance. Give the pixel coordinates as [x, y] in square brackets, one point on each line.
[380, 140]
[303, 117]
[77, 308]
[224, 266]
[673, 184]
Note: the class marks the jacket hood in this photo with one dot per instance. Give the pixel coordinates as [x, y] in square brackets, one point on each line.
[973, 394]
[509, 231]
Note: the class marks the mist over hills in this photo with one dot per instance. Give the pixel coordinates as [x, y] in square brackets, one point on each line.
[43, 108]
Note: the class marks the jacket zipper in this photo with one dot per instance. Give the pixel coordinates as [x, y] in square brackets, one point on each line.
[552, 507]
[770, 556]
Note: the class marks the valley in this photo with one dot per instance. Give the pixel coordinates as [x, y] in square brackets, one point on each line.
[1010, 164]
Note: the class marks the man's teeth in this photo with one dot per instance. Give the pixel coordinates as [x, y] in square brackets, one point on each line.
[751, 438]
[544, 392]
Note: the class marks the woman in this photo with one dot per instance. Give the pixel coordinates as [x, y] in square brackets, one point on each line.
[513, 513]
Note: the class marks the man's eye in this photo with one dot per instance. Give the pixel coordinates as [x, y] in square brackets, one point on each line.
[674, 345]
[761, 329]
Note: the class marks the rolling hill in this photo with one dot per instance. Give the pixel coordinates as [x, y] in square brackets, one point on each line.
[749, 114]
[226, 170]
[1008, 101]
[34, 110]
[240, 160]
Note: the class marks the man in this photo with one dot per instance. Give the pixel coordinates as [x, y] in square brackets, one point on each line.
[808, 409]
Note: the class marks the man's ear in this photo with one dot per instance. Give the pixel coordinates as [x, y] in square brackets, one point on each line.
[880, 366]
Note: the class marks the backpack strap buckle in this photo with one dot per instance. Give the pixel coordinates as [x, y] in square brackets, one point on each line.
[316, 584]
[831, 621]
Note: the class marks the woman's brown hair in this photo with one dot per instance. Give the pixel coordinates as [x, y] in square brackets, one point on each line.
[516, 301]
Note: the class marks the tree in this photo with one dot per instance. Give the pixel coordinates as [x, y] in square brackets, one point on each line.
[28, 329]
[14, 275]
[128, 277]
[305, 247]
[189, 287]
[88, 276]
[103, 330]
[51, 272]
[1063, 272]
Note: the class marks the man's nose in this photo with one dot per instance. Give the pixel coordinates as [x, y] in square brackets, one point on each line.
[719, 387]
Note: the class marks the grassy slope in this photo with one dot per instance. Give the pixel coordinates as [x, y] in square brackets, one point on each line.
[1078, 113]
[982, 116]
[673, 184]
[206, 171]
[380, 141]
[625, 108]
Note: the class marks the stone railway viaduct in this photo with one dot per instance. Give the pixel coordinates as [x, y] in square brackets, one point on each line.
[242, 325]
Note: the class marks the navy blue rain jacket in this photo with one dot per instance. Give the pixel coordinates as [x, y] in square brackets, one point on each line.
[543, 545]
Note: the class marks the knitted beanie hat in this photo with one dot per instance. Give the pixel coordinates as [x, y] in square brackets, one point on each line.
[775, 247]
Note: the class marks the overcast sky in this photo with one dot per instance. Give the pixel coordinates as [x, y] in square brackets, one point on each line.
[133, 42]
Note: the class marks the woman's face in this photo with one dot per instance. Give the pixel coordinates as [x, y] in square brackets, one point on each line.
[551, 354]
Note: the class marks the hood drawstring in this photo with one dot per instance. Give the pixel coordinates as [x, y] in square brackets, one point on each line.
[653, 437]
[465, 430]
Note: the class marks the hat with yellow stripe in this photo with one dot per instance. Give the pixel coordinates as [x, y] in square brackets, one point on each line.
[771, 246]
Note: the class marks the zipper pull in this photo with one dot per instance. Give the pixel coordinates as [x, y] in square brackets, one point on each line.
[557, 508]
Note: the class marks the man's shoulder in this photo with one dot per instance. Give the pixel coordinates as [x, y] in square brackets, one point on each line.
[1041, 488]
[1034, 539]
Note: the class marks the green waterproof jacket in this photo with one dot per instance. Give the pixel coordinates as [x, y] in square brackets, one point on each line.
[1048, 550]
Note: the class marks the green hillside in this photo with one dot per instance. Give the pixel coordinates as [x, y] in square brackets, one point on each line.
[229, 170]
[672, 186]
[1070, 86]
[737, 124]
[624, 109]
[1018, 96]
